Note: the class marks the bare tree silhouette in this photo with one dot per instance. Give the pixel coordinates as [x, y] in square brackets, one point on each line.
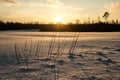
[106, 15]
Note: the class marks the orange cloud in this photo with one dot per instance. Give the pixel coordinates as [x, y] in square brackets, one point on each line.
[54, 2]
[115, 6]
[10, 2]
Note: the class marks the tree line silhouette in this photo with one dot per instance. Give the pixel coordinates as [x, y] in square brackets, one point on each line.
[89, 26]
[77, 27]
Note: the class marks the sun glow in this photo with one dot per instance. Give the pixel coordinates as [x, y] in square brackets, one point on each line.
[58, 19]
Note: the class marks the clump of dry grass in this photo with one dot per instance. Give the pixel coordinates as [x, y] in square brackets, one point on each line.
[55, 51]
[27, 50]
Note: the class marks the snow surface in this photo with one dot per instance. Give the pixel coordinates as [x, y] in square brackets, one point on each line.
[96, 56]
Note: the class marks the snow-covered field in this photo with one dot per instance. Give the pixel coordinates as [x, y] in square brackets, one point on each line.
[26, 55]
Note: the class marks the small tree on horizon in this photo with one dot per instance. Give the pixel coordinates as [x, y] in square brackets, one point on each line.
[105, 16]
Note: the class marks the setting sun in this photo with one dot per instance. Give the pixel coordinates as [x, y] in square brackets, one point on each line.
[58, 19]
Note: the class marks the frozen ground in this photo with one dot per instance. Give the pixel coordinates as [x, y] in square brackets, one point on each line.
[96, 56]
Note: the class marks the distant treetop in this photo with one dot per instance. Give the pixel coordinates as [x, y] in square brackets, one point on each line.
[106, 15]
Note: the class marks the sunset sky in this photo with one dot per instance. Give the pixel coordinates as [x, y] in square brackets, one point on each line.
[56, 10]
